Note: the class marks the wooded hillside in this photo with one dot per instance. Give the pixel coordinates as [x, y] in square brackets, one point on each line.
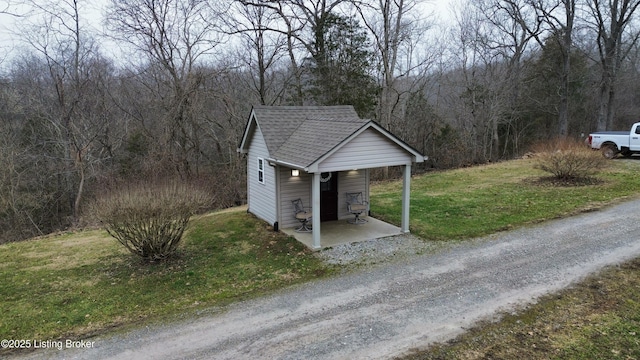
[164, 88]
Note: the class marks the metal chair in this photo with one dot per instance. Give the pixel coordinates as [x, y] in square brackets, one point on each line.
[357, 206]
[303, 215]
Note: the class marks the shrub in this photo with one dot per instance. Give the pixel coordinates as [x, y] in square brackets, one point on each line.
[149, 219]
[568, 160]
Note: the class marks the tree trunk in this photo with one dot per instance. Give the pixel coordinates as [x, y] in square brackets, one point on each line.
[604, 112]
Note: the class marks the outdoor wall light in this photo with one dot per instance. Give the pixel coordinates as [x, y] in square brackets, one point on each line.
[295, 172]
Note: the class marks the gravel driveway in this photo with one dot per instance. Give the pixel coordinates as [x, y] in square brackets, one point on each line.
[405, 295]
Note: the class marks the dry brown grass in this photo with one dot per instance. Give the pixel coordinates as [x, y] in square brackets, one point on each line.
[568, 161]
[596, 319]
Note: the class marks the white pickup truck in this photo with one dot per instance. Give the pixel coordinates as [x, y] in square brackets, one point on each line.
[613, 142]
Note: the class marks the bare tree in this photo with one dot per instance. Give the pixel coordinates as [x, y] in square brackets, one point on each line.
[548, 19]
[560, 15]
[175, 38]
[290, 28]
[397, 28]
[304, 23]
[9, 10]
[509, 26]
[56, 30]
[611, 21]
[20, 196]
[491, 40]
[264, 46]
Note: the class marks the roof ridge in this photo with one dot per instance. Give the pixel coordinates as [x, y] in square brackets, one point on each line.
[290, 135]
[331, 118]
[287, 124]
[303, 106]
[313, 117]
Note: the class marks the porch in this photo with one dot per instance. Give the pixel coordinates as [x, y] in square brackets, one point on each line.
[341, 232]
[317, 154]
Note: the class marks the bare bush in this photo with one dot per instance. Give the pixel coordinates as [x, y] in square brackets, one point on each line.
[149, 219]
[568, 160]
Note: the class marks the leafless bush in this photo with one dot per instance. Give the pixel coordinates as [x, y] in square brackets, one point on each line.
[149, 219]
[568, 160]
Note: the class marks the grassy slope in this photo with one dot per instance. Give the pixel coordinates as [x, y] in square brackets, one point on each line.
[481, 200]
[76, 284]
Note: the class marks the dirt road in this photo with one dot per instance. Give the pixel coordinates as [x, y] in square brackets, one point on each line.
[384, 311]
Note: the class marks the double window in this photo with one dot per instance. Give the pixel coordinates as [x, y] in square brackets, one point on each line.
[261, 170]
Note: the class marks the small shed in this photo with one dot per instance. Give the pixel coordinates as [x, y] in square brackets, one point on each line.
[316, 154]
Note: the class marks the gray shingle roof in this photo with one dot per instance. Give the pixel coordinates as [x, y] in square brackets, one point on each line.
[300, 135]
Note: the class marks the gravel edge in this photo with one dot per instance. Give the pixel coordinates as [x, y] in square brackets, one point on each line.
[376, 251]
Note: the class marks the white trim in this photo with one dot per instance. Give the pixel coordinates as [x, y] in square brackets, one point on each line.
[416, 156]
[260, 168]
[289, 165]
[406, 197]
[315, 210]
[248, 131]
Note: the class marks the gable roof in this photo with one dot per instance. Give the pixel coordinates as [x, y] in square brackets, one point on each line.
[298, 136]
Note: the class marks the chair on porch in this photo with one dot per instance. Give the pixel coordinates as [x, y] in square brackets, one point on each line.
[357, 205]
[302, 214]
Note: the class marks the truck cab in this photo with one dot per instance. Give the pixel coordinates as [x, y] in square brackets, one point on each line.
[611, 143]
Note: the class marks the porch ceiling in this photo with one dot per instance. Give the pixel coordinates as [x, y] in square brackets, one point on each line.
[339, 232]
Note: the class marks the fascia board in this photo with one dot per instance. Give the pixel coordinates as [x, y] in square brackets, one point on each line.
[417, 156]
[248, 131]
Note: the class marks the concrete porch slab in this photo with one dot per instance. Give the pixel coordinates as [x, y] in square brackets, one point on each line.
[340, 232]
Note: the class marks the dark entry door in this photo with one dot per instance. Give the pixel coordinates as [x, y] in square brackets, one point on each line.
[328, 196]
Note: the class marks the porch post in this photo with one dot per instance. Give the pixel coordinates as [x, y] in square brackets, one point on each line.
[406, 195]
[315, 200]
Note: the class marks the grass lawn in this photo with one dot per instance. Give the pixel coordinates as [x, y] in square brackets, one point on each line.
[596, 319]
[481, 200]
[77, 284]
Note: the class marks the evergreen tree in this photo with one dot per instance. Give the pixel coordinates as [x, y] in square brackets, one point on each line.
[544, 86]
[341, 65]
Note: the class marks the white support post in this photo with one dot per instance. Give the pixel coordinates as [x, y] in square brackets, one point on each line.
[406, 195]
[315, 200]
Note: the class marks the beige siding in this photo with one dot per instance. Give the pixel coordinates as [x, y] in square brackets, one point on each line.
[351, 181]
[261, 197]
[292, 188]
[367, 150]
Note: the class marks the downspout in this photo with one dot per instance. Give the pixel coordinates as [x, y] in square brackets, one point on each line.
[278, 185]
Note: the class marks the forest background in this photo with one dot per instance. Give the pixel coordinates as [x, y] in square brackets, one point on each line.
[160, 89]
